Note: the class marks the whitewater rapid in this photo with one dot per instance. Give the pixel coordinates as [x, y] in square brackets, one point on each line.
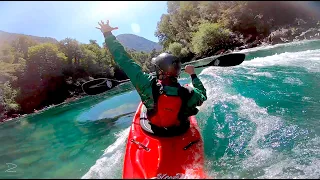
[244, 127]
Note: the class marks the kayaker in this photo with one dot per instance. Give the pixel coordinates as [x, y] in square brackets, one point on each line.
[168, 104]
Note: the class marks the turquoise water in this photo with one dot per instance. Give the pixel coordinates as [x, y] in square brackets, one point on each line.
[261, 120]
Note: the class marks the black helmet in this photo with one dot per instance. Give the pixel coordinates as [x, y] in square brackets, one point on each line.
[167, 66]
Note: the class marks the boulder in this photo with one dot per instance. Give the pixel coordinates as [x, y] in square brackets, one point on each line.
[308, 33]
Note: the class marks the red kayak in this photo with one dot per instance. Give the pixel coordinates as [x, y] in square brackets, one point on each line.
[149, 156]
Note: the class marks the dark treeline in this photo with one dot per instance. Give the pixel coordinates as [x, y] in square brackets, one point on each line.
[34, 75]
[41, 74]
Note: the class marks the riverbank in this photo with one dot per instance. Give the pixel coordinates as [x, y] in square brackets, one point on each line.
[279, 36]
[14, 116]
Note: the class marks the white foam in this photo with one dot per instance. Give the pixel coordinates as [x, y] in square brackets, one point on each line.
[306, 98]
[289, 167]
[266, 74]
[217, 89]
[110, 163]
[267, 47]
[310, 60]
[267, 159]
[271, 163]
[290, 80]
[248, 109]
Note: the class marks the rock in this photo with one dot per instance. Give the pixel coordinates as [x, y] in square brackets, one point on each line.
[277, 36]
[300, 22]
[290, 34]
[243, 47]
[284, 39]
[309, 33]
[15, 115]
[227, 51]
[316, 36]
[219, 52]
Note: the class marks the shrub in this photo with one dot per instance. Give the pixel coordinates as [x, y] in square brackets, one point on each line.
[210, 36]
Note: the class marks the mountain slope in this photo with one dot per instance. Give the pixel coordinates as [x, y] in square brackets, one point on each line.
[9, 37]
[130, 41]
[138, 43]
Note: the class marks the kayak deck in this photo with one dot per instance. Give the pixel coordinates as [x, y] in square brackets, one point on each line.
[149, 156]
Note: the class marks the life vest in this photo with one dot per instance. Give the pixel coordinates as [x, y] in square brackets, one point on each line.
[167, 110]
[168, 105]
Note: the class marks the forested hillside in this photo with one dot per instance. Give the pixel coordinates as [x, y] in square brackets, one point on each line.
[34, 75]
[204, 28]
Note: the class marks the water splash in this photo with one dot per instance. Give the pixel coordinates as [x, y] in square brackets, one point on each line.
[110, 163]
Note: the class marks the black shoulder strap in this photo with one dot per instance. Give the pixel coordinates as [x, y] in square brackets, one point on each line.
[157, 90]
[185, 93]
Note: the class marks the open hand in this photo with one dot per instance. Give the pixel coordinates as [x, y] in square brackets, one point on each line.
[189, 69]
[105, 27]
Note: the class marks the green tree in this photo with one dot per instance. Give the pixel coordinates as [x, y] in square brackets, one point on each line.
[210, 37]
[45, 60]
[43, 75]
[175, 48]
[166, 33]
[71, 48]
[8, 97]
[89, 59]
[22, 45]
[7, 54]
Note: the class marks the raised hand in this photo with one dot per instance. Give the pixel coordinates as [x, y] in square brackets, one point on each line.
[105, 27]
[189, 69]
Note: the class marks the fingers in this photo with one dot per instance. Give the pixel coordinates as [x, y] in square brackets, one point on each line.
[103, 25]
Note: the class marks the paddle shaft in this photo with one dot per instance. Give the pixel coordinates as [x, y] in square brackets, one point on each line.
[237, 59]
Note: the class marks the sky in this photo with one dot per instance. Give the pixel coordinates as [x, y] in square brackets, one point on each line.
[78, 19]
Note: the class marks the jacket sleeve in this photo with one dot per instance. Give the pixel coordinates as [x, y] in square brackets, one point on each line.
[199, 93]
[140, 80]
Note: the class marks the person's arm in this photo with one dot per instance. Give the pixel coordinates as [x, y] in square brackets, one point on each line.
[141, 80]
[199, 92]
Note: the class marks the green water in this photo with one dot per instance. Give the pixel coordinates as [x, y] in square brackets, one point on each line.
[261, 120]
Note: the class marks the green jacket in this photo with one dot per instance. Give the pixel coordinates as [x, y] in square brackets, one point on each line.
[143, 81]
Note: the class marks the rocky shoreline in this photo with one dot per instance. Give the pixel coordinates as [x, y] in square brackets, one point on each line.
[281, 35]
[14, 116]
[278, 36]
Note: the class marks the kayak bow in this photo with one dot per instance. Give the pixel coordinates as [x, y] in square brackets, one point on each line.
[150, 156]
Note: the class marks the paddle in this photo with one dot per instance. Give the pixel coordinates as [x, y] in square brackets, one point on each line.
[101, 85]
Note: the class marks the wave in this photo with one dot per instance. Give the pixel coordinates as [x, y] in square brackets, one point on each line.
[110, 163]
[250, 125]
[277, 46]
[310, 60]
[231, 118]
